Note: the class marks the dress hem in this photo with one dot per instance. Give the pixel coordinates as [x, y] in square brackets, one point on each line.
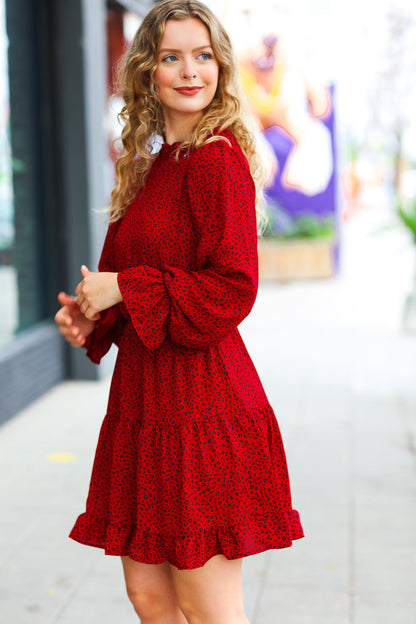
[189, 551]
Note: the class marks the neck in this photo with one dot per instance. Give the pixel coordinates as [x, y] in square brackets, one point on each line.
[179, 128]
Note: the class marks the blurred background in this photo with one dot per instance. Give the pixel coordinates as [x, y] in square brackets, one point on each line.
[331, 85]
[332, 91]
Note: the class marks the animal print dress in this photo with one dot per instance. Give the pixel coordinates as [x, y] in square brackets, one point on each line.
[190, 461]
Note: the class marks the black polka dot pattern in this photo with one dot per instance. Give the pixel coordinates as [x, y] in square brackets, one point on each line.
[190, 461]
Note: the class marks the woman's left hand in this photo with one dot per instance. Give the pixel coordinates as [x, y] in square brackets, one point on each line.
[97, 292]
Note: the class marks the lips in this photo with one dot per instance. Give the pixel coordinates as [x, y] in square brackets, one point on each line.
[188, 90]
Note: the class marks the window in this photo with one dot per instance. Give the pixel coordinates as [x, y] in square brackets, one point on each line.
[8, 280]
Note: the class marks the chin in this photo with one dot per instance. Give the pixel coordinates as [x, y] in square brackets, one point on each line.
[196, 108]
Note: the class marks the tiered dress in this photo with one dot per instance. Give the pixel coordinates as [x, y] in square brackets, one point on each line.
[190, 462]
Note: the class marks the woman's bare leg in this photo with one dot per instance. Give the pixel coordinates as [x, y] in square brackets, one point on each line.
[212, 594]
[151, 590]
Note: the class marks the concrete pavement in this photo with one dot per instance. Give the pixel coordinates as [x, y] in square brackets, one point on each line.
[341, 377]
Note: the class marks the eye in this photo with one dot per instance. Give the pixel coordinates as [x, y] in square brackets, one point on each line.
[169, 59]
[205, 56]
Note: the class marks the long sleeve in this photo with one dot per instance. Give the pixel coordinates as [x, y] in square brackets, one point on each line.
[198, 308]
[111, 322]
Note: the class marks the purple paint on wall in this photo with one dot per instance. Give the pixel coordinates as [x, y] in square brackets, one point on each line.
[291, 200]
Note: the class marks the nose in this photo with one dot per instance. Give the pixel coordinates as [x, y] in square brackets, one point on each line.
[188, 69]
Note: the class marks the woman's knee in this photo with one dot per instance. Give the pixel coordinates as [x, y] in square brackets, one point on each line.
[211, 594]
[192, 611]
[150, 590]
[196, 612]
[146, 603]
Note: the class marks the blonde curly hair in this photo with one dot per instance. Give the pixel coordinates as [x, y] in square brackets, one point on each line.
[142, 116]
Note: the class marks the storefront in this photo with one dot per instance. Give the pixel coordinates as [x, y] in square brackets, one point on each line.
[56, 174]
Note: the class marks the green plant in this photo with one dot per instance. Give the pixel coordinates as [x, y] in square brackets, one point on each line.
[313, 227]
[304, 227]
[407, 214]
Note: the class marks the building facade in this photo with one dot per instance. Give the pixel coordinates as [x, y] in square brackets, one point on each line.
[56, 175]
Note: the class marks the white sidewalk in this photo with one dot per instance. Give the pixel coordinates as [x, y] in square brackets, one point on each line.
[342, 380]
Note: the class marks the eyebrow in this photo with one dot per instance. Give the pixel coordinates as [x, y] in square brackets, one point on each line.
[203, 47]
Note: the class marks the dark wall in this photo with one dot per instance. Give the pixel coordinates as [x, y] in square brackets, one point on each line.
[57, 164]
[29, 366]
[27, 144]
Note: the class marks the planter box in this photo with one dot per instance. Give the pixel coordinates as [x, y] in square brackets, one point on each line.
[295, 259]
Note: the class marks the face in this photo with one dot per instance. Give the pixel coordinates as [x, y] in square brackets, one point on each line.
[186, 76]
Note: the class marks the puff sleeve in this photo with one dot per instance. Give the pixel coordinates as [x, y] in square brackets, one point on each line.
[111, 322]
[198, 308]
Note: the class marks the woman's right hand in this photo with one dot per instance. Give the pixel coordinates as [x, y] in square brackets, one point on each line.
[72, 323]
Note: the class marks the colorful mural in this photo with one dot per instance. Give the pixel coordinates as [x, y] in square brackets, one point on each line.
[296, 116]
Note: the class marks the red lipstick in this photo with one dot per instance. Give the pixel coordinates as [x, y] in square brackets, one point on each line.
[188, 90]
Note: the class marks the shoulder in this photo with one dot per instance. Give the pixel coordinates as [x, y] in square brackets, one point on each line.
[222, 150]
[219, 171]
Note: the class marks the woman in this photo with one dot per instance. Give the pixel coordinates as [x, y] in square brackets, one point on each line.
[190, 473]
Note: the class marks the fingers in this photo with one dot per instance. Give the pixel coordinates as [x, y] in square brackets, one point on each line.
[70, 332]
[64, 321]
[68, 316]
[83, 296]
[65, 299]
[62, 317]
[84, 306]
[75, 338]
[80, 299]
[84, 272]
[89, 312]
[83, 303]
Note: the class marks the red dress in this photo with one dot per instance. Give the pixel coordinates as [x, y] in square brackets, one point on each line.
[189, 462]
